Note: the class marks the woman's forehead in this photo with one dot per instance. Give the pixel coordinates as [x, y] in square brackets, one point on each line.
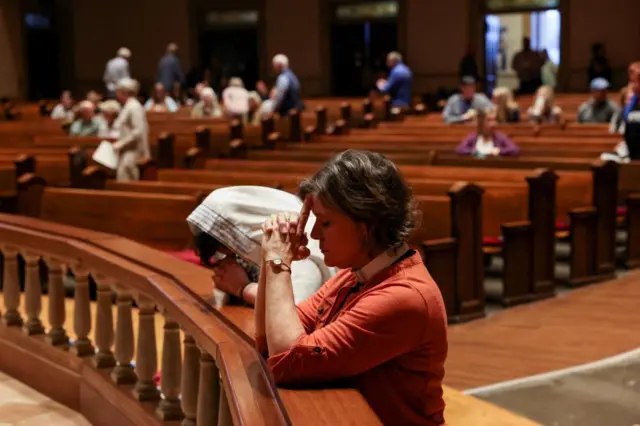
[318, 207]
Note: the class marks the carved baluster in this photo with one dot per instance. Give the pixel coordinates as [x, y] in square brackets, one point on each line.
[57, 335]
[32, 294]
[146, 354]
[208, 390]
[82, 314]
[104, 324]
[11, 288]
[190, 381]
[169, 408]
[123, 372]
[224, 418]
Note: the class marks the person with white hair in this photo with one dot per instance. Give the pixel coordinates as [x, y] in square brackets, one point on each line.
[235, 99]
[110, 110]
[133, 143]
[87, 124]
[169, 69]
[285, 95]
[117, 69]
[208, 105]
[399, 83]
[227, 230]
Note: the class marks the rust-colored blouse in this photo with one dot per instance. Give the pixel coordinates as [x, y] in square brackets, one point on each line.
[386, 337]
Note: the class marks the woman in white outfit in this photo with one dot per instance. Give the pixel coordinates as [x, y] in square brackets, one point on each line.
[227, 229]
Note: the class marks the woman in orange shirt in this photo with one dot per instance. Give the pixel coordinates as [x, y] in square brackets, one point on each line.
[380, 324]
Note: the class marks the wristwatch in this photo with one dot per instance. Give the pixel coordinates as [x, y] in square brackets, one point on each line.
[278, 265]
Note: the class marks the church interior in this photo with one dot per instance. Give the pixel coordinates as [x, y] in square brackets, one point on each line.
[320, 212]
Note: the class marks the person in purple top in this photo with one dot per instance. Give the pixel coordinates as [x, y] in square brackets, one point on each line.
[486, 141]
[398, 85]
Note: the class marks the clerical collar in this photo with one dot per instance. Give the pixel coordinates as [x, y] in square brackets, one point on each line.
[382, 261]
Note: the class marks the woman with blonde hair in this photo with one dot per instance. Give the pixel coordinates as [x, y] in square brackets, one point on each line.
[110, 110]
[544, 109]
[507, 109]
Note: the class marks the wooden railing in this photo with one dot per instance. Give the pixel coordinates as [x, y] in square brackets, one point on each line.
[215, 377]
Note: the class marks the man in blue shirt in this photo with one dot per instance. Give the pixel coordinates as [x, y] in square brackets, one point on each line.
[285, 95]
[463, 107]
[169, 69]
[398, 86]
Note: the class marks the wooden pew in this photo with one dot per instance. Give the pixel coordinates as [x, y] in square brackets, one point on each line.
[157, 220]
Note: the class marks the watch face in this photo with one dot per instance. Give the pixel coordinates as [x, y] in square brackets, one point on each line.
[277, 262]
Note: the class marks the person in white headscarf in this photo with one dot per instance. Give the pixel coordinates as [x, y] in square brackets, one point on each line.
[227, 227]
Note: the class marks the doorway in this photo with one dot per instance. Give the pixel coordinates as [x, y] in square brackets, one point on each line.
[361, 37]
[504, 33]
[230, 52]
[42, 51]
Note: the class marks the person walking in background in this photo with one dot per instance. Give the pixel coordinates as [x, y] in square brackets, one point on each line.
[285, 95]
[133, 143]
[527, 64]
[598, 109]
[169, 69]
[599, 64]
[399, 83]
[117, 69]
[549, 71]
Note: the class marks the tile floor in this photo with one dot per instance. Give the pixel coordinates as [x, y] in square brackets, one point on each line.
[21, 405]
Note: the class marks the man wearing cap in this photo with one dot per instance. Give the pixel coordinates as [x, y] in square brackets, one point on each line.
[133, 144]
[598, 109]
[116, 69]
[398, 86]
[169, 69]
[462, 107]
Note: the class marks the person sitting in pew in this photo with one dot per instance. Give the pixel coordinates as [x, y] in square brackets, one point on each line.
[160, 101]
[235, 99]
[110, 111]
[379, 325]
[617, 121]
[253, 116]
[598, 109]
[227, 226]
[64, 110]
[544, 109]
[486, 141]
[133, 143]
[507, 110]
[462, 107]
[87, 123]
[208, 105]
[398, 86]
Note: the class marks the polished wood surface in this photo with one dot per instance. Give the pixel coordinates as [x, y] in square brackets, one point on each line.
[461, 409]
[581, 326]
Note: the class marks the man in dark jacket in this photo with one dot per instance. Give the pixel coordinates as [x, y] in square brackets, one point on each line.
[169, 70]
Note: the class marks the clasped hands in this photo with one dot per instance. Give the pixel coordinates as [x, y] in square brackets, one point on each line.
[284, 236]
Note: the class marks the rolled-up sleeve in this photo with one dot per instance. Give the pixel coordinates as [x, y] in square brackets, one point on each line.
[381, 326]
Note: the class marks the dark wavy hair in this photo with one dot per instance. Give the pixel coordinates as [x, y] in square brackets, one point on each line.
[368, 188]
